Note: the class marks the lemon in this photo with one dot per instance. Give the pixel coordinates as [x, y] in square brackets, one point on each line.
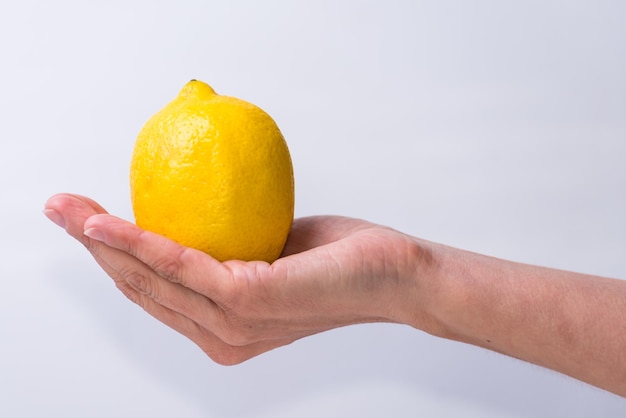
[214, 173]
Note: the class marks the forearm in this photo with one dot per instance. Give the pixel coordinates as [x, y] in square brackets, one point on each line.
[569, 322]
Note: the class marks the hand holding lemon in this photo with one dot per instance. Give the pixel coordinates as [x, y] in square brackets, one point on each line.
[211, 172]
[330, 275]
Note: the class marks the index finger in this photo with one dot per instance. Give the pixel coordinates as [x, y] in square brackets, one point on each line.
[182, 265]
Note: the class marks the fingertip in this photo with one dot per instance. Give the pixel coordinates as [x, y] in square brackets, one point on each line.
[96, 224]
[97, 220]
[68, 212]
[55, 201]
[54, 216]
[94, 233]
[63, 201]
[112, 230]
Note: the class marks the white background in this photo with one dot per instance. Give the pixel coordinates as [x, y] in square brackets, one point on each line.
[494, 126]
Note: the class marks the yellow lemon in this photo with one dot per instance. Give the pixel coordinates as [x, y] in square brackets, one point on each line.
[214, 173]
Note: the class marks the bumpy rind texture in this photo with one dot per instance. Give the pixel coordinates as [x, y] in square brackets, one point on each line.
[214, 173]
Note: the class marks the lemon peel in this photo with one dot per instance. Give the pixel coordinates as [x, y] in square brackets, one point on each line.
[214, 173]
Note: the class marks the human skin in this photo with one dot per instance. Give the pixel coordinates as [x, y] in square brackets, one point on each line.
[338, 271]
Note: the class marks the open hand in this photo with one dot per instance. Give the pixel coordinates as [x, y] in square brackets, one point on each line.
[334, 271]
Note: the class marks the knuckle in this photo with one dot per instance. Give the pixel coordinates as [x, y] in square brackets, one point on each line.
[237, 300]
[93, 246]
[232, 330]
[170, 267]
[224, 355]
[129, 292]
[239, 333]
[139, 282]
[236, 338]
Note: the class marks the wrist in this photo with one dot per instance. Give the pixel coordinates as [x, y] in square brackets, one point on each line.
[424, 292]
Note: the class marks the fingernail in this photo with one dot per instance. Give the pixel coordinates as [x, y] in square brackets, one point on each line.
[55, 217]
[93, 233]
